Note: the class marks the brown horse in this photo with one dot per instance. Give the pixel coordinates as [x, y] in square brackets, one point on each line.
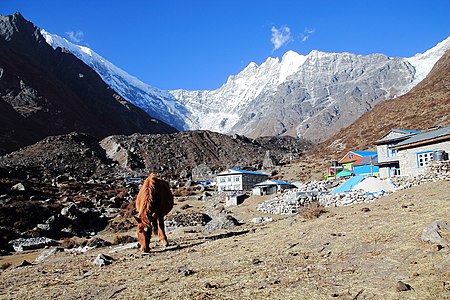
[153, 202]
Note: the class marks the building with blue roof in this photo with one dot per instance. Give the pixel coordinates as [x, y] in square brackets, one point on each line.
[355, 162]
[419, 150]
[408, 152]
[271, 186]
[239, 180]
[388, 163]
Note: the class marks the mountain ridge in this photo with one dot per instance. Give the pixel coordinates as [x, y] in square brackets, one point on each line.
[39, 83]
[238, 114]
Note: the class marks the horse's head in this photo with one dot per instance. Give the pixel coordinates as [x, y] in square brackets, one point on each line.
[143, 234]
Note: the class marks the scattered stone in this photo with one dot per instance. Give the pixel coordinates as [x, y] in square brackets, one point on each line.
[22, 244]
[256, 261]
[221, 222]
[186, 272]
[210, 286]
[86, 274]
[443, 265]
[124, 247]
[103, 260]
[97, 243]
[24, 263]
[259, 220]
[402, 287]
[46, 254]
[365, 209]
[18, 187]
[433, 233]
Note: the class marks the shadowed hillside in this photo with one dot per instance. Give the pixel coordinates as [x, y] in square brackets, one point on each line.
[47, 92]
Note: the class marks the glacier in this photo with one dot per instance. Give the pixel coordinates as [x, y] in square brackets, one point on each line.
[157, 103]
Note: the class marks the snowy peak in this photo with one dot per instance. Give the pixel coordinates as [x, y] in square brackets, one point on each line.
[157, 103]
[424, 62]
[305, 95]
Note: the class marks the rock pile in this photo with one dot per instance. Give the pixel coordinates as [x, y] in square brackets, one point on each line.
[323, 186]
[437, 171]
[288, 203]
[292, 201]
[348, 198]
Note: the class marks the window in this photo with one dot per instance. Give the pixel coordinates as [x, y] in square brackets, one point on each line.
[423, 158]
[236, 179]
[350, 156]
[222, 180]
[391, 152]
[394, 152]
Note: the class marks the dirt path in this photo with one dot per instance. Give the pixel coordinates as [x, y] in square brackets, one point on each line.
[348, 253]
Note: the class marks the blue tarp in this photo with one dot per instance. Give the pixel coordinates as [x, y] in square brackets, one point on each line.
[348, 185]
[365, 170]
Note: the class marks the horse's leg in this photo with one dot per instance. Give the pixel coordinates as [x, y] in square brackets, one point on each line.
[161, 232]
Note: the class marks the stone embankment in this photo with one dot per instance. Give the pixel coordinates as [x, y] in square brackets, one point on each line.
[292, 201]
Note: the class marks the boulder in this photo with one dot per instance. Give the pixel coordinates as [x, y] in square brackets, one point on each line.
[103, 260]
[437, 233]
[221, 222]
[22, 244]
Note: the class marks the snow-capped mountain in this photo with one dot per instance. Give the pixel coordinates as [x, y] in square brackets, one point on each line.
[157, 103]
[310, 96]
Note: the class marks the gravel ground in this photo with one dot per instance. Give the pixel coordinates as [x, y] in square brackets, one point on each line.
[356, 252]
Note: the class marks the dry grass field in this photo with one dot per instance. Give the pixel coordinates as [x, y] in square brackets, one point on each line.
[357, 252]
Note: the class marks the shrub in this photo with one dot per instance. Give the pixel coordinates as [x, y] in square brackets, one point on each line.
[312, 211]
[123, 239]
[68, 243]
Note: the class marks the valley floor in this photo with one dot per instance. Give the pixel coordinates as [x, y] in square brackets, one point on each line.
[357, 252]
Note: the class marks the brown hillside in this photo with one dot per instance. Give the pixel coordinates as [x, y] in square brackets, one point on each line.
[426, 105]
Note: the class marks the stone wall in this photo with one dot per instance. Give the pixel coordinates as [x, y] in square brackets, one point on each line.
[292, 201]
[408, 158]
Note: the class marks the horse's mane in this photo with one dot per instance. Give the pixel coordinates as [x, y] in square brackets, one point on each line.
[145, 198]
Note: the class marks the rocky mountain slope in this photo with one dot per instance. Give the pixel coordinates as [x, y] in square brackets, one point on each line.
[310, 96]
[46, 91]
[176, 155]
[426, 105]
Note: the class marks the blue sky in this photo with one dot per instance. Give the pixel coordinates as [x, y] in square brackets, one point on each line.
[197, 44]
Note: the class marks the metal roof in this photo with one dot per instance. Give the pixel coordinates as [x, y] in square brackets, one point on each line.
[239, 171]
[365, 153]
[424, 136]
[405, 134]
[273, 182]
[367, 160]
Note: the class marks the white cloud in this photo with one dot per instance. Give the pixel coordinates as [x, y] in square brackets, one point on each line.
[280, 36]
[75, 36]
[306, 33]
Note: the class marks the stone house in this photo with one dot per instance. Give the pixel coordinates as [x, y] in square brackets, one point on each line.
[273, 186]
[418, 150]
[388, 160]
[239, 180]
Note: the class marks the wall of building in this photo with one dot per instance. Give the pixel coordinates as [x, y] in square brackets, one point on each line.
[238, 182]
[231, 182]
[408, 158]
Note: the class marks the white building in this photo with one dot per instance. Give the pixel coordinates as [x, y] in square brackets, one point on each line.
[239, 180]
